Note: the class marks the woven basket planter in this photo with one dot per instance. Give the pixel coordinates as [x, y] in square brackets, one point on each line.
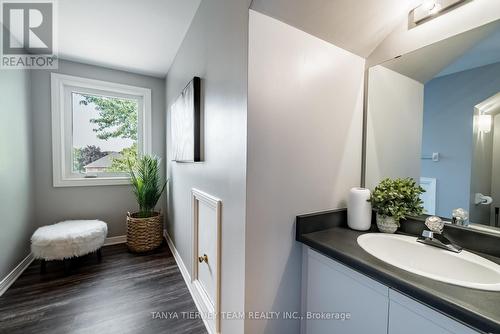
[144, 234]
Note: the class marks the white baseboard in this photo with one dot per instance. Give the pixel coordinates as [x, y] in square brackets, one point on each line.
[121, 239]
[198, 301]
[15, 273]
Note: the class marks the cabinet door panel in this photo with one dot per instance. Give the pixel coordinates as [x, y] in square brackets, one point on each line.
[207, 245]
[331, 287]
[411, 317]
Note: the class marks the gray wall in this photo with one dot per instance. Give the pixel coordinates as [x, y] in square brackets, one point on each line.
[215, 49]
[448, 129]
[108, 203]
[16, 169]
[305, 106]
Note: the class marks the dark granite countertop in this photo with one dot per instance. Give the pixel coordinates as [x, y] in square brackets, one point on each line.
[475, 308]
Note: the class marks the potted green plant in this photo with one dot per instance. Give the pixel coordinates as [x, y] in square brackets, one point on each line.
[145, 227]
[393, 200]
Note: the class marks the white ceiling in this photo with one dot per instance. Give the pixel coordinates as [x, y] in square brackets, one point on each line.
[140, 36]
[354, 25]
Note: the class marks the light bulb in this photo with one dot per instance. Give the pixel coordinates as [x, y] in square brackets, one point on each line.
[429, 5]
[435, 9]
[432, 6]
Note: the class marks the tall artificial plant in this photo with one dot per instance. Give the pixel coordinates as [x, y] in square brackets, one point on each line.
[397, 198]
[146, 183]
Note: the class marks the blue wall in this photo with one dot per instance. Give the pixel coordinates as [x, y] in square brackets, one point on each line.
[448, 118]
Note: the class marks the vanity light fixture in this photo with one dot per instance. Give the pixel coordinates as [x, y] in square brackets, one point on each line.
[432, 8]
[484, 123]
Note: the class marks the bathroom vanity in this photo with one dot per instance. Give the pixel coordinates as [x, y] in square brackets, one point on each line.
[341, 279]
[431, 115]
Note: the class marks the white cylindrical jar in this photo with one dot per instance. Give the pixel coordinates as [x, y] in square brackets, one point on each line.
[359, 209]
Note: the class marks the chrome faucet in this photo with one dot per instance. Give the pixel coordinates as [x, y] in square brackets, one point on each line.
[434, 237]
[460, 217]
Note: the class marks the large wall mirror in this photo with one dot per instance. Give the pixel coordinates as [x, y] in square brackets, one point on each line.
[434, 115]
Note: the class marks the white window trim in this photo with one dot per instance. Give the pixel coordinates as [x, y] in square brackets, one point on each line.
[58, 84]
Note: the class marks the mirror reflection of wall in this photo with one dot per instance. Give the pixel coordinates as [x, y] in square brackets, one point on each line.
[434, 115]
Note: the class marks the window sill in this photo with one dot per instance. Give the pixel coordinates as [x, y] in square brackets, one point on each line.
[92, 182]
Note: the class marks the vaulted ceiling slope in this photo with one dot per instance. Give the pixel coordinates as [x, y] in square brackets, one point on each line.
[485, 52]
[140, 36]
[433, 60]
[357, 26]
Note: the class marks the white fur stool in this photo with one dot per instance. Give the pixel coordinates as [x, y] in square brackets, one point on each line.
[68, 239]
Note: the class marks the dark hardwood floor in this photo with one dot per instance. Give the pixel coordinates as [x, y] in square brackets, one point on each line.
[118, 295]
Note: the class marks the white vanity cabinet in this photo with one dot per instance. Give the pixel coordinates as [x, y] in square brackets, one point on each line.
[329, 287]
[411, 317]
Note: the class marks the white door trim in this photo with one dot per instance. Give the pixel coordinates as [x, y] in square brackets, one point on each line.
[211, 309]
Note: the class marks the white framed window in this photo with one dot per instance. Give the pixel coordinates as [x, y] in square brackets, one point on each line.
[97, 126]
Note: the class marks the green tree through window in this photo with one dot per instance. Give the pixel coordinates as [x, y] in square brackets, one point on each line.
[85, 155]
[117, 118]
[121, 164]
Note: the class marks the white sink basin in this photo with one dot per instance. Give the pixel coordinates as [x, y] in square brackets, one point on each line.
[465, 269]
